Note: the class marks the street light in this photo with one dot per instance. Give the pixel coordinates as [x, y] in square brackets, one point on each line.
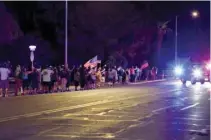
[194, 14]
[32, 49]
[66, 34]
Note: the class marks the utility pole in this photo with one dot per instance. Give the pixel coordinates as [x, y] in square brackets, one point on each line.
[66, 33]
[176, 33]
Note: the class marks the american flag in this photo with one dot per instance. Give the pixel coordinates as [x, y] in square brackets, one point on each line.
[92, 62]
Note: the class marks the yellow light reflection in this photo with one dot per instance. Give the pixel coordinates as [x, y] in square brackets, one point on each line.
[109, 136]
[86, 118]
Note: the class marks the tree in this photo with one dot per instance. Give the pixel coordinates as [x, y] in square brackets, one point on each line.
[162, 29]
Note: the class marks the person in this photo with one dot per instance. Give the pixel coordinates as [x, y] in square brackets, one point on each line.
[154, 73]
[63, 76]
[93, 78]
[25, 79]
[136, 73]
[98, 77]
[132, 74]
[88, 78]
[127, 75]
[103, 79]
[18, 80]
[82, 77]
[145, 68]
[46, 77]
[34, 81]
[54, 80]
[120, 74]
[4, 81]
[124, 75]
[114, 75]
[110, 77]
[76, 79]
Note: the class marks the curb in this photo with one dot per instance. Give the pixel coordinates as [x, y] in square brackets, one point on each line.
[145, 82]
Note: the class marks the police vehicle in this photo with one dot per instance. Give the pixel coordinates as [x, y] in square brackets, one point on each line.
[194, 73]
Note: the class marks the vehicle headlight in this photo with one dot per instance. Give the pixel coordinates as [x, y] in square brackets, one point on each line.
[197, 73]
[178, 71]
[208, 66]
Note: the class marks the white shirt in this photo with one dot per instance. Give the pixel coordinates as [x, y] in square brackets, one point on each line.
[46, 74]
[4, 73]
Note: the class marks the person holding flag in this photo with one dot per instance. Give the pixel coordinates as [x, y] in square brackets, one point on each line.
[92, 62]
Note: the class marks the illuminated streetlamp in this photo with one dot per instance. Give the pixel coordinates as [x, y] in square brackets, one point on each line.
[194, 14]
[32, 49]
[66, 34]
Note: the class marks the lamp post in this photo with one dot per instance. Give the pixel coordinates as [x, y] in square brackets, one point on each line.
[66, 33]
[194, 14]
[32, 49]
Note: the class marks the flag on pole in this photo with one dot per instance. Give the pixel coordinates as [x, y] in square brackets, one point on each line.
[92, 62]
[145, 65]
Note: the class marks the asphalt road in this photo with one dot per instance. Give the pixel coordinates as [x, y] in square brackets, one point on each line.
[152, 111]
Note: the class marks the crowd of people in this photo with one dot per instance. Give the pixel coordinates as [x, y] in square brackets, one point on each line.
[59, 79]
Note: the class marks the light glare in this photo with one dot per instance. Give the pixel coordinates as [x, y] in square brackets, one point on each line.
[197, 73]
[32, 47]
[195, 14]
[178, 70]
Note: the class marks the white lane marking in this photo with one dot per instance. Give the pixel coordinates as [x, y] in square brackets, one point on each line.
[82, 115]
[102, 113]
[192, 119]
[157, 110]
[145, 82]
[139, 125]
[48, 130]
[92, 120]
[190, 106]
[87, 136]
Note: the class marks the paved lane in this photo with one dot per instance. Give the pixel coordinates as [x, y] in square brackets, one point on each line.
[152, 111]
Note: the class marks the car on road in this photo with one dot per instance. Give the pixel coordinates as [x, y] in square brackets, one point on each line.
[194, 73]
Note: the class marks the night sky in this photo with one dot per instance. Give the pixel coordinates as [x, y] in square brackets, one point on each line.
[87, 20]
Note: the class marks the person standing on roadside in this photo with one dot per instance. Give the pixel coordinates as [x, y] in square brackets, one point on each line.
[18, 80]
[4, 80]
[98, 77]
[34, 81]
[76, 79]
[26, 81]
[46, 75]
[82, 77]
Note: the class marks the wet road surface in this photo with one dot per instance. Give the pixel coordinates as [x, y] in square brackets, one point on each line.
[153, 111]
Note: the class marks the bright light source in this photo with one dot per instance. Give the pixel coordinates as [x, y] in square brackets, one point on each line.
[32, 47]
[178, 70]
[208, 66]
[195, 14]
[197, 73]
